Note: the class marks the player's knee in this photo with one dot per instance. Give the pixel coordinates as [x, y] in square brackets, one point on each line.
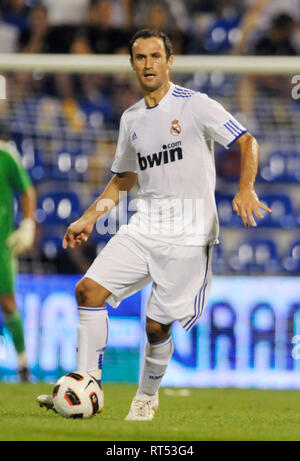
[156, 331]
[80, 292]
[8, 304]
[88, 293]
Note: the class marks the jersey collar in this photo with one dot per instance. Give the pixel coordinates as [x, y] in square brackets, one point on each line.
[164, 103]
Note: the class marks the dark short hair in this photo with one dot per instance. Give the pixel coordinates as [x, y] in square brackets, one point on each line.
[282, 20]
[148, 33]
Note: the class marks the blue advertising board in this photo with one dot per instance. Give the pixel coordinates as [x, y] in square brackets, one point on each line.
[248, 336]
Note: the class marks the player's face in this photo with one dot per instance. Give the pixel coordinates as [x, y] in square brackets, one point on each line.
[150, 63]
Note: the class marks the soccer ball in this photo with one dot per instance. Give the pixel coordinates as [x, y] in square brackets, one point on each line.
[77, 395]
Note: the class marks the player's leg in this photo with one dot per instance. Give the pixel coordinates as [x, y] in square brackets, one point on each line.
[92, 332]
[13, 322]
[118, 271]
[158, 352]
[181, 280]
[11, 315]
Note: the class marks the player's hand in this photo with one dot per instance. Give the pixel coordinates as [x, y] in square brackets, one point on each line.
[22, 239]
[245, 203]
[78, 232]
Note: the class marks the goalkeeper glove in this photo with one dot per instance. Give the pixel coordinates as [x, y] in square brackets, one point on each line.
[22, 239]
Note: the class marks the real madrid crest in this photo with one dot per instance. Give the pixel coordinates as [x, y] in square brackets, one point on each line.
[175, 128]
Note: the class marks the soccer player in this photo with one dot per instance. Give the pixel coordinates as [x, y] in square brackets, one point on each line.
[166, 145]
[14, 179]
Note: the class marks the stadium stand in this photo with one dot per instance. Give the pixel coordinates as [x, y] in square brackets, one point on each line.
[291, 262]
[282, 212]
[219, 262]
[58, 208]
[257, 256]
[227, 217]
[70, 166]
[66, 126]
[51, 246]
[282, 167]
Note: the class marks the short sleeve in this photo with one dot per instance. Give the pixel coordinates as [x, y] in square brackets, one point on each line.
[18, 176]
[214, 120]
[125, 157]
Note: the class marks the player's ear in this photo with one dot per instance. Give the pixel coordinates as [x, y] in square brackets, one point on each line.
[131, 63]
[170, 60]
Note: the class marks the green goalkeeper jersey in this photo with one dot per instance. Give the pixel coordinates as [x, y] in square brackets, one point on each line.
[13, 178]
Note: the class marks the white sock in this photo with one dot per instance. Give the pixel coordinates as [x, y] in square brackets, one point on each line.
[22, 360]
[92, 334]
[156, 360]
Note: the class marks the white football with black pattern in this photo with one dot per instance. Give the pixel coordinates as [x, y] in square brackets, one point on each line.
[77, 395]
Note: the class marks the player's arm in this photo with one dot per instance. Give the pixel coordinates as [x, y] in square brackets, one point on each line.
[246, 201]
[80, 230]
[22, 238]
[28, 201]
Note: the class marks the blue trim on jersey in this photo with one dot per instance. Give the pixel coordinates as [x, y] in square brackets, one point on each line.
[182, 92]
[230, 129]
[152, 107]
[235, 125]
[237, 137]
[118, 172]
[235, 128]
[181, 95]
[92, 308]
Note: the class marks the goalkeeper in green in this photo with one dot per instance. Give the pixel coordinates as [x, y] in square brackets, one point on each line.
[14, 178]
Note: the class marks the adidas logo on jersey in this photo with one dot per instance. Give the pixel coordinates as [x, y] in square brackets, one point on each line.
[171, 152]
[134, 136]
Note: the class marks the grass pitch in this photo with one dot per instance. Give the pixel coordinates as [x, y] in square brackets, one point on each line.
[202, 414]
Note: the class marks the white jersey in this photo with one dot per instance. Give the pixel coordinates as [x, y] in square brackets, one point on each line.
[171, 148]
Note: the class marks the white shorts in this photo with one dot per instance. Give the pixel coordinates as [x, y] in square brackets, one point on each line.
[181, 276]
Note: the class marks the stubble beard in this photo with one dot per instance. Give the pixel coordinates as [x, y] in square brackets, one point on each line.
[151, 88]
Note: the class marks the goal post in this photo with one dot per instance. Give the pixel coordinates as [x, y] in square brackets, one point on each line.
[58, 63]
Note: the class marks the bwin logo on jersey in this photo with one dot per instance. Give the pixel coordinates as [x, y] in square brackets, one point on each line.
[170, 153]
